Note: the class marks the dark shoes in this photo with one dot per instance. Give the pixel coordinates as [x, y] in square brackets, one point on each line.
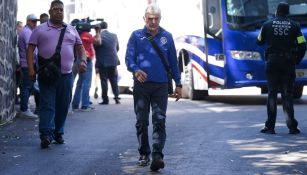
[267, 131]
[272, 131]
[45, 142]
[294, 131]
[117, 101]
[157, 163]
[58, 138]
[104, 102]
[144, 160]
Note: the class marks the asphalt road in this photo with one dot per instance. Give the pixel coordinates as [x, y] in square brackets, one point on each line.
[218, 136]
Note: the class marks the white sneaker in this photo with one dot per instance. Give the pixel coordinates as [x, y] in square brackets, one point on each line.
[88, 109]
[27, 114]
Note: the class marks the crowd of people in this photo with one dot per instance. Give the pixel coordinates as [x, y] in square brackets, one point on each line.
[150, 57]
[53, 53]
[52, 41]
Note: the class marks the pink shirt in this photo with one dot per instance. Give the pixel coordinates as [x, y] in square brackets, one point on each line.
[46, 36]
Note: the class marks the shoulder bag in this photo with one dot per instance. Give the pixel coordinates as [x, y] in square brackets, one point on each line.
[166, 67]
[50, 69]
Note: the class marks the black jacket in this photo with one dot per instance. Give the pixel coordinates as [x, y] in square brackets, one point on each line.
[283, 36]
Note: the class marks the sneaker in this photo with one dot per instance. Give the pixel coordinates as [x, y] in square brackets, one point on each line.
[45, 142]
[267, 131]
[27, 114]
[75, 109]
[58, 138]
[87, 109]
[144, 160]
[157, 163]
[294, 131]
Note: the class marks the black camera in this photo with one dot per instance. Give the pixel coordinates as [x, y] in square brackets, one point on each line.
[84, 25]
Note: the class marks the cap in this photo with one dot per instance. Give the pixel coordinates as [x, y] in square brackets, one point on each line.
[32, 17]
[283, 9]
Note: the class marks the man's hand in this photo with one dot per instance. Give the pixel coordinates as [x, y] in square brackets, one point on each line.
[82, 67]
[177, 93]
[140, 75]
[31, 73]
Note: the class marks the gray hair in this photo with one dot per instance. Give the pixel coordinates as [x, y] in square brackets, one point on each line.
[153, 8]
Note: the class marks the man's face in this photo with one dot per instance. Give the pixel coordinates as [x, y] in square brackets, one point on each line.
[44, 19]
[19, 27]
[152, 21]
[57, 13]
[32, 23]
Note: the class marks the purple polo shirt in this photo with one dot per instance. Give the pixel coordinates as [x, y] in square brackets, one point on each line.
[46, 36]
[23, 41]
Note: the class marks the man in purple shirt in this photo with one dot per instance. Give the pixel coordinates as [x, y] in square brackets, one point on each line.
[55, 98]
[27, 84]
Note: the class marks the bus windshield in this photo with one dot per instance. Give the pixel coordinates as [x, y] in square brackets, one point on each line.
[250, 14]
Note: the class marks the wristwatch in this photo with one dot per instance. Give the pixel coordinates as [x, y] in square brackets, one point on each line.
[179, 85]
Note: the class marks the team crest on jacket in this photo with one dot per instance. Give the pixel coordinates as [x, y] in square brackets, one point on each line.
[163, 40]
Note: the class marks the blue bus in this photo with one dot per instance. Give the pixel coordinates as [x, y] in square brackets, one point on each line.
[224, 54]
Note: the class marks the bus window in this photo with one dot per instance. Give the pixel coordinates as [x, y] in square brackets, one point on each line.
[214, 19]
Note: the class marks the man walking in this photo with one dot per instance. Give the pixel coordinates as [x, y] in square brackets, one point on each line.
[55, 98]
[151, 83]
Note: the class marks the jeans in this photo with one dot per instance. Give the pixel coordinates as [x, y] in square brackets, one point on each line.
[280, 79]
[26, 90]
[83, 87]
[54, 104]
[110, 73]
[154, 95]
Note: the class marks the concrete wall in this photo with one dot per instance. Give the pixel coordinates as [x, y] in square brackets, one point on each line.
[8, 10]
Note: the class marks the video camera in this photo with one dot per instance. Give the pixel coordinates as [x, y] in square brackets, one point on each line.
[84, 25]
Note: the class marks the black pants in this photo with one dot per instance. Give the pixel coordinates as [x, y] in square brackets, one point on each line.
[280, 78]
[108, 73]
[155, 96]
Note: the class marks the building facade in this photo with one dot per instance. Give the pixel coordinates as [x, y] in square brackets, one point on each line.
[8, 9]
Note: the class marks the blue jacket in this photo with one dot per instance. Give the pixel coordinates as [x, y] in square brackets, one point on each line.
[141, 55]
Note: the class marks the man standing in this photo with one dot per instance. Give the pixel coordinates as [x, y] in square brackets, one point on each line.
[44, 17]
[151, 83]
[26, 83]
[106, 63]
[55, 98]
[285, 47]
[85, 79]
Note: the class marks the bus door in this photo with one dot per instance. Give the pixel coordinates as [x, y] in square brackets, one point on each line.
[214, 43]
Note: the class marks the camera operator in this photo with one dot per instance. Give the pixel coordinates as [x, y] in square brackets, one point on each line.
[85, 79]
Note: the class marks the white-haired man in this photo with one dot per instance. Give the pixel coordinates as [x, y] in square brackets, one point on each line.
[151, 83]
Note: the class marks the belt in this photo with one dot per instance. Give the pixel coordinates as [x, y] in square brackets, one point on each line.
[287, 54]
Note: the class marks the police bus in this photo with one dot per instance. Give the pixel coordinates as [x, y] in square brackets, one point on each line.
[218, 47]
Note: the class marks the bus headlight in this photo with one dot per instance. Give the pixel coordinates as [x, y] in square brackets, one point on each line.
[245, 55]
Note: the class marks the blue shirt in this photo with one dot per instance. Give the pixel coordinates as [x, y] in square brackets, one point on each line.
[141, 55]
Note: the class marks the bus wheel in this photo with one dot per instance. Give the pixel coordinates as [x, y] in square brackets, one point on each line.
[196, 94]
[298, 92]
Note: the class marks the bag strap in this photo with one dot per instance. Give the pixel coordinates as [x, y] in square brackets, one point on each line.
[59, 46]
[158, 50]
